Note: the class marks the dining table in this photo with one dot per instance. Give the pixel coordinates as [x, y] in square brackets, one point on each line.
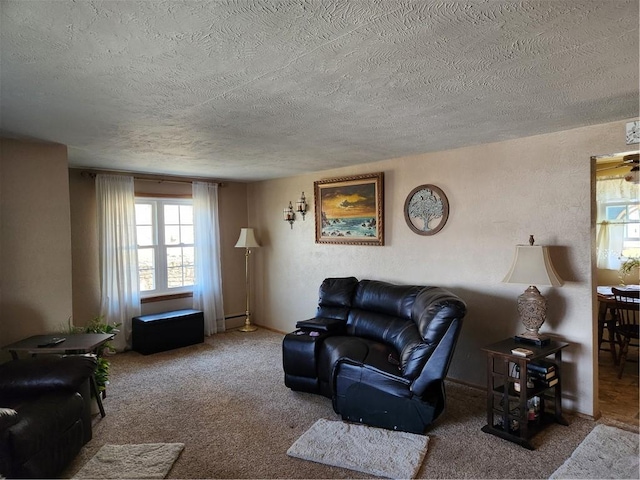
[605, 295]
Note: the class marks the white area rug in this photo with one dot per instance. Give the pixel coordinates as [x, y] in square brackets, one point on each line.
[607, 452]
[375, 451]
[148, 460]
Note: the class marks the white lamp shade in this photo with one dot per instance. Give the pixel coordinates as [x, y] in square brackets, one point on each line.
[532, 266]
[247, 239]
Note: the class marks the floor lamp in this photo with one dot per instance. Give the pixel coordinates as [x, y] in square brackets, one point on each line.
[247, 240]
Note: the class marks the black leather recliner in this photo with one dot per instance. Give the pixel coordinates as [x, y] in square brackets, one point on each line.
[45, 414]
[380, 351]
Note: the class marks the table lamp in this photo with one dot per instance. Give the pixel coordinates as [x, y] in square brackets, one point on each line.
[532, 266]
[247, 240]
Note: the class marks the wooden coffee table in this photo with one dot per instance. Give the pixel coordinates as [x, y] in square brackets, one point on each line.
[73, 344]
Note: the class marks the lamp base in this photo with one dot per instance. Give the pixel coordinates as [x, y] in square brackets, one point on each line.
[532, 308]
[532, 339]
[247, 327]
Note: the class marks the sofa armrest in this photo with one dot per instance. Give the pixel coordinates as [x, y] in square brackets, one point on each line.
[435, 370]
[35, 376]
[8, 418]
[322, 324]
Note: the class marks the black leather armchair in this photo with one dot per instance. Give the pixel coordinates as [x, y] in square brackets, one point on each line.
[381, 352]
[45, 414]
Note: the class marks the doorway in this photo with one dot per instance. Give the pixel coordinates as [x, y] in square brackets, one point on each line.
[617, 239]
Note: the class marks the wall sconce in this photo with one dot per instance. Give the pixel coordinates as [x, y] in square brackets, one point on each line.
[301, 206]
[289, 215]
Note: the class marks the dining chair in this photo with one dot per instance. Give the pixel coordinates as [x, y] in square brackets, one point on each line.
[626, 329]
[607, 321]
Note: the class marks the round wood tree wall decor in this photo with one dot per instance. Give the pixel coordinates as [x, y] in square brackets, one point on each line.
[426, 209]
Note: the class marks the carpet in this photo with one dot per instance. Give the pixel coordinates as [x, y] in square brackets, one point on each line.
[607, 452]
[370, 450]
[148, 460]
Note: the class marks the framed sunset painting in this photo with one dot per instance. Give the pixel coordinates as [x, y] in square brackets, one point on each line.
[349, 210]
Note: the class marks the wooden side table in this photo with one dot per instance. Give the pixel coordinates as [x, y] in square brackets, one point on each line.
[508, 396]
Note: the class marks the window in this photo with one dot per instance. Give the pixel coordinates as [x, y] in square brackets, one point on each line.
[618, 222]
[164, 229]
[628, 216]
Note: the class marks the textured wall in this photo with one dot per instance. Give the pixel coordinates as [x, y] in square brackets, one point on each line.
[499, 194]
[35, 240]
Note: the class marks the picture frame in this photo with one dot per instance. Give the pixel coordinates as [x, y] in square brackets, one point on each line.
[426, 209]
[350, 210]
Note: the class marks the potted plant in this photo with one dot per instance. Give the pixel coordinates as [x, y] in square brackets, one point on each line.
[628, 266]
[98, 325]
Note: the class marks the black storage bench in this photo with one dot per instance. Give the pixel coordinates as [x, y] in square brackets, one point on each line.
[168, 330]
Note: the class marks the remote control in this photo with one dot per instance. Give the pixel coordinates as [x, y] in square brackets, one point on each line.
[54, 341]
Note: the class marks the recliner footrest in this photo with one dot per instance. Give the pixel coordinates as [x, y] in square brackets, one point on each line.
[362, 403]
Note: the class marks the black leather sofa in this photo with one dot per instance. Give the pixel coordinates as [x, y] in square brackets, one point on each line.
[380, 351]
[45, 414]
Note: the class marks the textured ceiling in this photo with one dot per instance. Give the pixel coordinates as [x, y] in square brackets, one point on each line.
[257, 89]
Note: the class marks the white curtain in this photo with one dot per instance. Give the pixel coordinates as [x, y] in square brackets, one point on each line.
[610, 236]
[120, 287]
[207, 291]
[609, 245]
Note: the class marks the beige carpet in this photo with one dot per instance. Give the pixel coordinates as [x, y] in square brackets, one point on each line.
[225, 399]
[151, 460]
[607, 452]
[365, 449]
